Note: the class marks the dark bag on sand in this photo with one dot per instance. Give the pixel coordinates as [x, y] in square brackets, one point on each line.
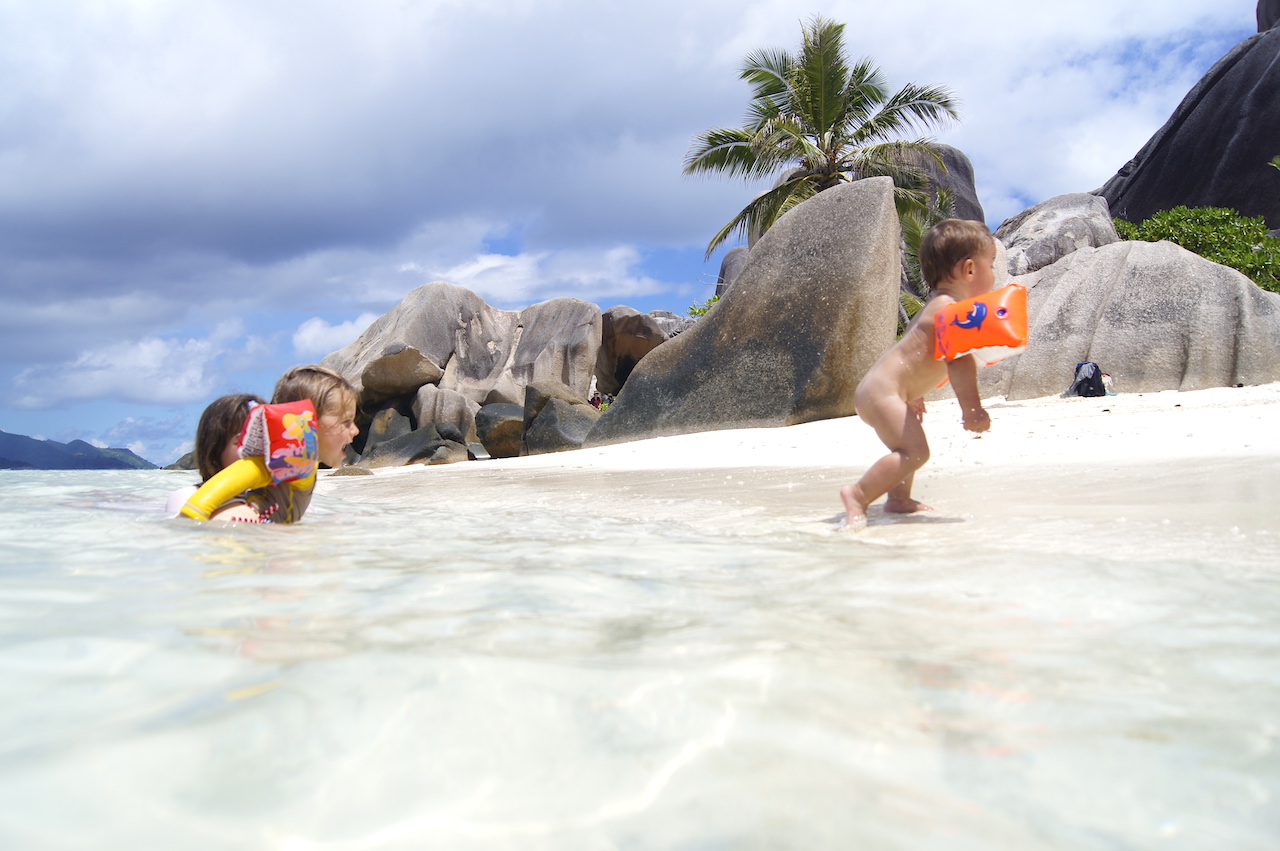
[1088, 381]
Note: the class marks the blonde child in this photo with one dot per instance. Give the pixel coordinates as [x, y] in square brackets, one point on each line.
[335, 405]
[957, 259]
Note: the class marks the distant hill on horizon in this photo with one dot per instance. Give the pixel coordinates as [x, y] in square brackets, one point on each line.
[19, 452]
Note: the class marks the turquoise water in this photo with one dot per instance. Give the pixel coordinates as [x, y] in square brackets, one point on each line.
[535, 677]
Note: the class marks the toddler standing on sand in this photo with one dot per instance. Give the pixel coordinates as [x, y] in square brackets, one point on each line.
[957, 259]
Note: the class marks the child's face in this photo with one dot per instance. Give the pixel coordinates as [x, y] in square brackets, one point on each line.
[335, 432]
[230, 453]
[984, 271]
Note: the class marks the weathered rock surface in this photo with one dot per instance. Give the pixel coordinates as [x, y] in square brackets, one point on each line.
[559, 343]
[431, 404]
[416, 447]
[559, 426]
[731, 267]
[627, 335]
[815, 306]
[398, 371]
[1042, 235]
[1153, 315]
[1214, 150]
[1268, 14]
[670, 323]
[500, 428]
[957, 178]
[186, 462]
[481, 347]
[539, 393]
[387, 423]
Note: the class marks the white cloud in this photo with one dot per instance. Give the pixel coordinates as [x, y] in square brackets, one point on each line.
[317, 338]
[151, 371]
[171, 164]
[530, 277]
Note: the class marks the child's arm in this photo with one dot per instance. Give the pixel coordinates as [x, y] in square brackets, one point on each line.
[963, 373]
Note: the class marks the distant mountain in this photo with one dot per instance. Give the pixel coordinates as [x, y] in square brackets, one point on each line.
[19, 452]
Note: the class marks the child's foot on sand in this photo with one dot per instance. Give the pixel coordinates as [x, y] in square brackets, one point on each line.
[855, 512]
[905, 506]
[853, 524]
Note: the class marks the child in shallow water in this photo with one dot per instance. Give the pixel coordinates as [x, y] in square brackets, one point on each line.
[958, 261]
[217, 441]
[334, 401]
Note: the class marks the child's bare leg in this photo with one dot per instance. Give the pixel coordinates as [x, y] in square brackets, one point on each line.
[900, 430]
[900, 501]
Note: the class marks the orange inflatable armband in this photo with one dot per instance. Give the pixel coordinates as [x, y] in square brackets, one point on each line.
[990, 327]
[278, 445]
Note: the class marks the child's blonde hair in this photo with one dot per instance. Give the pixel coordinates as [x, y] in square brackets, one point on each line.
[326, 389]
[949, 242]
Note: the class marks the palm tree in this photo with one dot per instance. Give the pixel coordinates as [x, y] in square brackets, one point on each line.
[828, 122]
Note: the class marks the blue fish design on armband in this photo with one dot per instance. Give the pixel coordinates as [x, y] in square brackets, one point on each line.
[974, 318]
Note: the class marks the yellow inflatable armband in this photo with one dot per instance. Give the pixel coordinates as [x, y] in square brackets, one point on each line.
[278, 445]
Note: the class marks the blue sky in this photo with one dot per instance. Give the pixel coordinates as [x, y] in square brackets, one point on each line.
[196, 195]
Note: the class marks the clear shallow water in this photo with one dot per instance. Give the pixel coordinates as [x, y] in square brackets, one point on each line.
[533, 676]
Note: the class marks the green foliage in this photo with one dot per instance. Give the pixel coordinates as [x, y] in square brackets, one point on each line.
[696, 310]
[908, 306]
[1217, 234]
[1275, 162]
[826, 122]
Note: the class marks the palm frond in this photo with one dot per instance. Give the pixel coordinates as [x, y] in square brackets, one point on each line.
[765, 209]
[915, 106]
[819, 76]
[820, 121]
[865, 90]
[724, 149]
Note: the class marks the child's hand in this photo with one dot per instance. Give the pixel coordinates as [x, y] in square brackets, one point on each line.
[917, 408]
[976, 419]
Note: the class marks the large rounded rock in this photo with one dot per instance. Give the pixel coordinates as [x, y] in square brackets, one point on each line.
[1268, 14]
[539, 393]
[731, 267]
[1153, 315]
[670, 323]
[500, 428]
[560, 426]
[627, 335]
[421, 446]
[1042, 235]
[558, 343]
[814, 308]
[1214, 150]
[481, 347]
[433, 405]
[448, 325]
[955, 174]
[387, 423]
[398, 371]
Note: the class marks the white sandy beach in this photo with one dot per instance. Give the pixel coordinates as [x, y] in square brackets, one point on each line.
[1154, 472]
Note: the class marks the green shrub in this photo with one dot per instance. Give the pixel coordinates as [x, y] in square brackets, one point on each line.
[696, 310]
[1217, 234]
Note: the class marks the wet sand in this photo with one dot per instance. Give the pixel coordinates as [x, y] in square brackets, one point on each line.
[1150, 473]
